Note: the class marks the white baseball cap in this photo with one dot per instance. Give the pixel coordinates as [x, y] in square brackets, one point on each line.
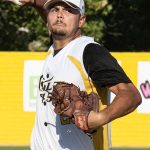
[75, 4]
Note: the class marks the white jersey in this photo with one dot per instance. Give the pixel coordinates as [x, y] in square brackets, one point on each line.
[51, 132]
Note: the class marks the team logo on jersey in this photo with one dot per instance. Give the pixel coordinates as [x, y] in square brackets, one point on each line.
[45, 87]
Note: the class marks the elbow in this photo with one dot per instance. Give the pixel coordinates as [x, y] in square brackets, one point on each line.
[137, 99]
[136, 96]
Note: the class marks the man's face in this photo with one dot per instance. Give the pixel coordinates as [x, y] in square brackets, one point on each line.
[64, 21]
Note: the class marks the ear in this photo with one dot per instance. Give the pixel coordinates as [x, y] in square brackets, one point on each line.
[82, 21]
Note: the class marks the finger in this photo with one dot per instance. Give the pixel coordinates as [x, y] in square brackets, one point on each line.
[15, 2]
[25, 1]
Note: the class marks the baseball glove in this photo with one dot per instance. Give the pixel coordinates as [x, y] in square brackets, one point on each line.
[68, 100]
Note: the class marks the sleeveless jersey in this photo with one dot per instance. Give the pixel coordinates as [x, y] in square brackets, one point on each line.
[52, 132]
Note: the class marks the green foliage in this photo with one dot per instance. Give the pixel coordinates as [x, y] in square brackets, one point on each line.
[121, 25]
[127, 26]
[21, 29]
[94, 23]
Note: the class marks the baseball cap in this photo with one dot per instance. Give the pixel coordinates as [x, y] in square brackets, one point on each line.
[75, 4]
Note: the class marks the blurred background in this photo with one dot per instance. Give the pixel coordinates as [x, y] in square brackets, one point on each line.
[122, 26]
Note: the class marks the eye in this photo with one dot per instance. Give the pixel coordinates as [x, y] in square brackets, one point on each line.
[68, 10]
[54, 9]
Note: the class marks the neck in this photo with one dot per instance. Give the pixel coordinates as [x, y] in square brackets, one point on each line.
[59, 43]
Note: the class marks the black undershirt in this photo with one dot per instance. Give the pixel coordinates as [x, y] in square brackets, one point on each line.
[101, 66]
[56, 51]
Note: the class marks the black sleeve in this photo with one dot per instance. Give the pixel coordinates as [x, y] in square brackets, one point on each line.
[102, 67]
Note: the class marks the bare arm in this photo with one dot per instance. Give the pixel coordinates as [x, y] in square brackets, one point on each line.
[126, 100]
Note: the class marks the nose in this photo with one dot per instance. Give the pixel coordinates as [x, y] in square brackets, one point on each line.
[60, 14]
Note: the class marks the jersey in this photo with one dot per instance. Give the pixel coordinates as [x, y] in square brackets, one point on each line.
[102, 67]
[52, 132]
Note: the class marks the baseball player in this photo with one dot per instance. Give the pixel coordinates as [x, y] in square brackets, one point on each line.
[79, 60]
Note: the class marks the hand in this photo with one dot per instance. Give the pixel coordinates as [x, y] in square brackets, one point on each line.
[16, 2]
[35, 3]
[68, 100]
[27, 2]
[96, 119]
[22, 2]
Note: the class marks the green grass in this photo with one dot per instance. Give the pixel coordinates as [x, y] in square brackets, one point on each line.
[27, 148]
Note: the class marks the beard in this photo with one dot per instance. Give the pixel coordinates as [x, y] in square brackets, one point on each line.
[59, 29]
[58, 32]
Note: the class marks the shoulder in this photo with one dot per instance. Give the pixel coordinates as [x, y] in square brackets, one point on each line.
[96, 51]
[77, 46]
[93, 48]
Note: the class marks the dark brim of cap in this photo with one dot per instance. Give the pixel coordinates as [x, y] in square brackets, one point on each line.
[50, 3]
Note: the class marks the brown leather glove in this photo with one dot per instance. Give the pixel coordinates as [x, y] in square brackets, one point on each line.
[70, 101]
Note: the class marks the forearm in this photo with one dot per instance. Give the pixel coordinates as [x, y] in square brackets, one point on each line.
[38, 5]
[124, 103]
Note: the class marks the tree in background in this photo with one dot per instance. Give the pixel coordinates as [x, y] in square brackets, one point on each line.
[121, 25]
[21, 29]
[127, 26]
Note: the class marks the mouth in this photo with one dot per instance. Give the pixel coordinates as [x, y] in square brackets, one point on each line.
[60, 24]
